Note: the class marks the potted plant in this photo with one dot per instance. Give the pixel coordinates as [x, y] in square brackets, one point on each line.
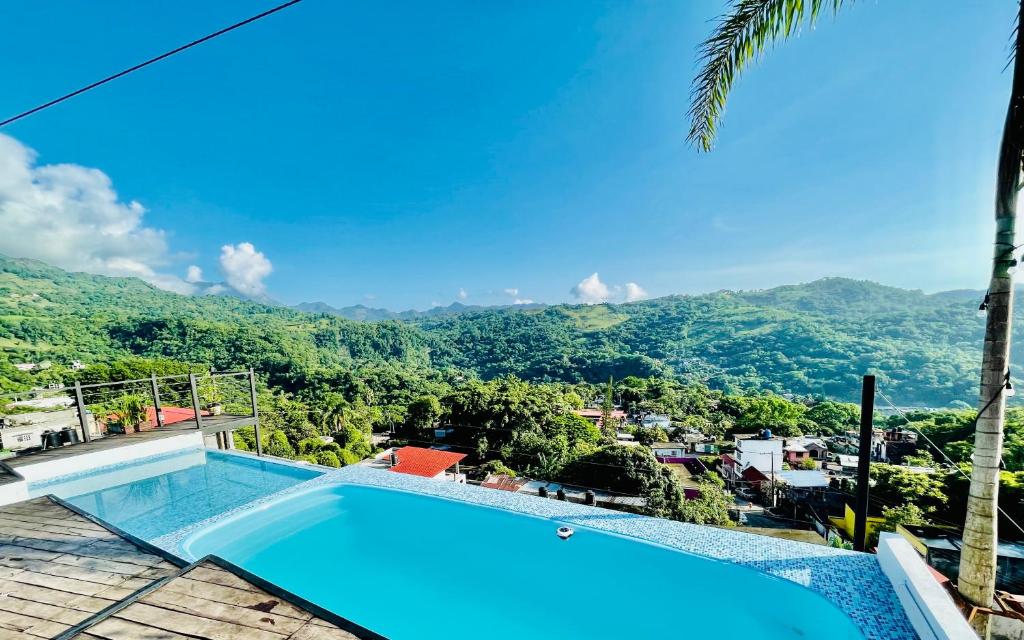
[130, 412]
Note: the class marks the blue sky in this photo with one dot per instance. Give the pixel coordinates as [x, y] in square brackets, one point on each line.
[401, 154]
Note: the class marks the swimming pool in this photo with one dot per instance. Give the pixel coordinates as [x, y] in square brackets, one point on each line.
[153, 497]
[413, 566]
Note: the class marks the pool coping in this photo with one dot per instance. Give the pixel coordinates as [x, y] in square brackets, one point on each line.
[852, 581]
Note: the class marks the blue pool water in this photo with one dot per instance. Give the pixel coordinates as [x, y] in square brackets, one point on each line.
[410, 566]
[150, 498]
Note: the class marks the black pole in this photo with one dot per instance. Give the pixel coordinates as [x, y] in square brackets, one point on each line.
[867, 412]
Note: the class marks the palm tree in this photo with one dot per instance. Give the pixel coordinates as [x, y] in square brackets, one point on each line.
[744, 33]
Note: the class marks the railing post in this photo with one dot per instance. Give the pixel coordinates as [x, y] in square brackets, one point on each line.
[867, 414]
[195, 400]
[255, 411]
[80, 405]
[157, 409]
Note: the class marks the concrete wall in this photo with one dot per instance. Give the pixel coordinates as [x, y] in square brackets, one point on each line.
[927, 604]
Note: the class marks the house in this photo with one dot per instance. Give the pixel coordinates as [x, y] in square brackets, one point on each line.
[595, 415]
[656, 421]
[795, 453]
[428, 463]
[626, 439]
[665, 450]
[845, 523]
[763, 453]
[803, 479]
[708, 448]
[848, 464]
[940, 548]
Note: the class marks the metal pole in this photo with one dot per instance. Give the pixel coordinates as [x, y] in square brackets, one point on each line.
[157, 409]
[255, 411]
[867, 412]
[80, 404]
[195, 400]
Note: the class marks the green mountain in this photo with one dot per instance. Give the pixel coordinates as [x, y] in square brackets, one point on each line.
[817, 338]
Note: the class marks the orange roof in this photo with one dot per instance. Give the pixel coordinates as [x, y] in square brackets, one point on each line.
[417, 461]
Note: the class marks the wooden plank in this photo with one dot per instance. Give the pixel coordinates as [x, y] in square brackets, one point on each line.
[30, 625]
[58, 583]
[204, 608]
[120, 629]
[319, 632]
[49, 596]
[192, 625]
[43, 611]
[65, 529]
[72, 520]
[237, 597]
[115, 566]
[64, 571]
[28, 553]
[208, 572]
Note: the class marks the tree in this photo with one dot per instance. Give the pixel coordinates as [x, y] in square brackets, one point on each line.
[897, 486]
[771, 412]
[834, 417]
[711, 506]
[423, 412]
[908, 514]
[631, 471]
[608, 426]
[742, 35]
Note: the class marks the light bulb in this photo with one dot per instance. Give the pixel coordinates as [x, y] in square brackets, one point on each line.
[982, 312]
[1010, 391]
[1012, 268]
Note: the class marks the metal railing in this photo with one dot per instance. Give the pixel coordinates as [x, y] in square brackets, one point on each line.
[217, 402]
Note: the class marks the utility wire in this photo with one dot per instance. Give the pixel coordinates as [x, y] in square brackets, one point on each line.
[943, 453]
[148, 62]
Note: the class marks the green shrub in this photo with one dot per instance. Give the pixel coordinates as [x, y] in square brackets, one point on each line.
[348, 457]
[309, 446]
[328, 459]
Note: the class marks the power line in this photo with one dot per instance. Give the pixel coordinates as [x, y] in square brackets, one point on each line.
[943, 453]
[148, 62]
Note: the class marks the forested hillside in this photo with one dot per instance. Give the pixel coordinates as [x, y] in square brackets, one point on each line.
[811, 339]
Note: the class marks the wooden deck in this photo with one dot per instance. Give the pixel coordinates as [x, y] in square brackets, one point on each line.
[58, 569]
[64, 576]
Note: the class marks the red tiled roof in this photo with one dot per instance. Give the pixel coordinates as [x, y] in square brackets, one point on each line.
[172, 415]
[418, 461]
[503, 482]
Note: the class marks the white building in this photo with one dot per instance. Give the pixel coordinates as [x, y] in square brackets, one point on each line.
[668, 450]
[765, 455]
[656, 420]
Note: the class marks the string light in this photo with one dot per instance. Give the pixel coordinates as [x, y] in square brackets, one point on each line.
[983, 307]
[1008, 389]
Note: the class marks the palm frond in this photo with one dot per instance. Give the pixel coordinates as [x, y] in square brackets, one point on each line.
[739, 37]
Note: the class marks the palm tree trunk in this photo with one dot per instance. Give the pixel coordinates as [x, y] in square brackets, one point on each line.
[978, 556]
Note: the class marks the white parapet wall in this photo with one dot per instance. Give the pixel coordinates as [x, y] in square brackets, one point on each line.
[50, 469]
[931, 610]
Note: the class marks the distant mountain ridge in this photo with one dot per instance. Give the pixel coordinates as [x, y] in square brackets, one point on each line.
[816, 338]
[363, 313]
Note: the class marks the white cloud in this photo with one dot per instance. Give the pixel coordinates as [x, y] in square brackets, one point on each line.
[245, 268]
[635, 292]
[591, 290]
[194, 274]
[523, 301]
[215, 289]
[511, 291]
[70, 216]
[463, 294]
